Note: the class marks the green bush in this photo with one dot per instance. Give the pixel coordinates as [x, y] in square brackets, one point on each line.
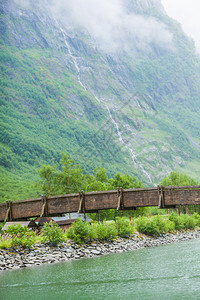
[124, 229]
[154, 226]
[52, 233]
[170, 226]
[148, 226]
[26, 240]
[188, 221]
[1, 225]
[17, 230]
[111, 231]
[164, 225]
[79, 231]
[105, 231]
[21, 236]
[185, 221]
[178, 222]
[196, 217]
[4, 244]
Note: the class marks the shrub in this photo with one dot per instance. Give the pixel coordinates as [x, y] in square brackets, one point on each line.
[79, 231]
[52, 233]
[26, 240]
[185, 221]
[148, 226]
[170, 226]
[1, 226]
[105, 231]
[4, 244]
[188, 221]
[17, 230]
[21, 236]
[178, 222]
[196, 217]
[164, 225]
[123, 227]
[111, 231]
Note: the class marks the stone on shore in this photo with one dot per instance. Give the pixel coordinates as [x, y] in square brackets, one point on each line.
[11, 259]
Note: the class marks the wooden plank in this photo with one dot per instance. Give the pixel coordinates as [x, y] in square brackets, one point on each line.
[140, 198]
[3, 212]
[97, 201]
[181, 197]
[63, 204]
[26, 209]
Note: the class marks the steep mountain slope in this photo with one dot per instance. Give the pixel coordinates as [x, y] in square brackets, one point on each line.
[116, 85]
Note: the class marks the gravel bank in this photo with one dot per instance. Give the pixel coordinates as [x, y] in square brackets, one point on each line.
[44, 254]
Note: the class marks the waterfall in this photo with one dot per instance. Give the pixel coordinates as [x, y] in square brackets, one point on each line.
[119, 134]
[74, 59]
[133, 155]
[116, 125]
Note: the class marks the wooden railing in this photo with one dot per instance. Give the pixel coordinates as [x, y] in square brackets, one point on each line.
[163, 197]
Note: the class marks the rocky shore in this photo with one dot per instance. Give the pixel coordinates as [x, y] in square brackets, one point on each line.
[39, 254]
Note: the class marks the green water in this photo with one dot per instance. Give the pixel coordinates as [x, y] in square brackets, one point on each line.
[166, 272]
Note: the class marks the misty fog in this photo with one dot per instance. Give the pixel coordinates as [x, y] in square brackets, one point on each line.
[111, 24]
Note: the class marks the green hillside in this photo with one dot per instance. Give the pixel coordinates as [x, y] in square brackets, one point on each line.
[135, 111]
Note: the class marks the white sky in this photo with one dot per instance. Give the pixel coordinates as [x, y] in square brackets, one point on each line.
[187, 12]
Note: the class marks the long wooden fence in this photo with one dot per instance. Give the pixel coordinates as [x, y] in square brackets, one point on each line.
[162, 197]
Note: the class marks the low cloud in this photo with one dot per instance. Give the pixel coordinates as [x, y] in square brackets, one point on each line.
[112, 27]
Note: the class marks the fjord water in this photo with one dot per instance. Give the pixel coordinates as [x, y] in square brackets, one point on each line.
[165, 272]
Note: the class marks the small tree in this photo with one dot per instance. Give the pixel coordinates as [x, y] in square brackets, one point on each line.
[48, 174]
[67, 163]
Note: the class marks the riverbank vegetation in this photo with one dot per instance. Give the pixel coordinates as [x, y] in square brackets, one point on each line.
[81, 232]
[68, 177]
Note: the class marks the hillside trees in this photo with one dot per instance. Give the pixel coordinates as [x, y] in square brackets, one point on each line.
[68, 177]
[178, 179]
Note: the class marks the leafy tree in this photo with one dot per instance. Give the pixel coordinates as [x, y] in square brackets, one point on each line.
[178, 179]
[125, 181]
[100, 174]
[48, 173]
[68, 177]
[67, 163]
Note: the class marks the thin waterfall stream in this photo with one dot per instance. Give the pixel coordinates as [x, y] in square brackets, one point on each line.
[119, 134]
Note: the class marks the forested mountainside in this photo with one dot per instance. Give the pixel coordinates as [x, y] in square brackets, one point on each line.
[115, 84]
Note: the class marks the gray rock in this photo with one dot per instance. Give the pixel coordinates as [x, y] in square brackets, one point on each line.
[95, 252]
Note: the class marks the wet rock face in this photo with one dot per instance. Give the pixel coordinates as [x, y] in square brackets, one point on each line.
[135, 64]
[11, 259]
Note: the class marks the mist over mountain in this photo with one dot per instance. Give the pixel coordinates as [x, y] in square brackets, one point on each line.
[115, 83]
[113, 25]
